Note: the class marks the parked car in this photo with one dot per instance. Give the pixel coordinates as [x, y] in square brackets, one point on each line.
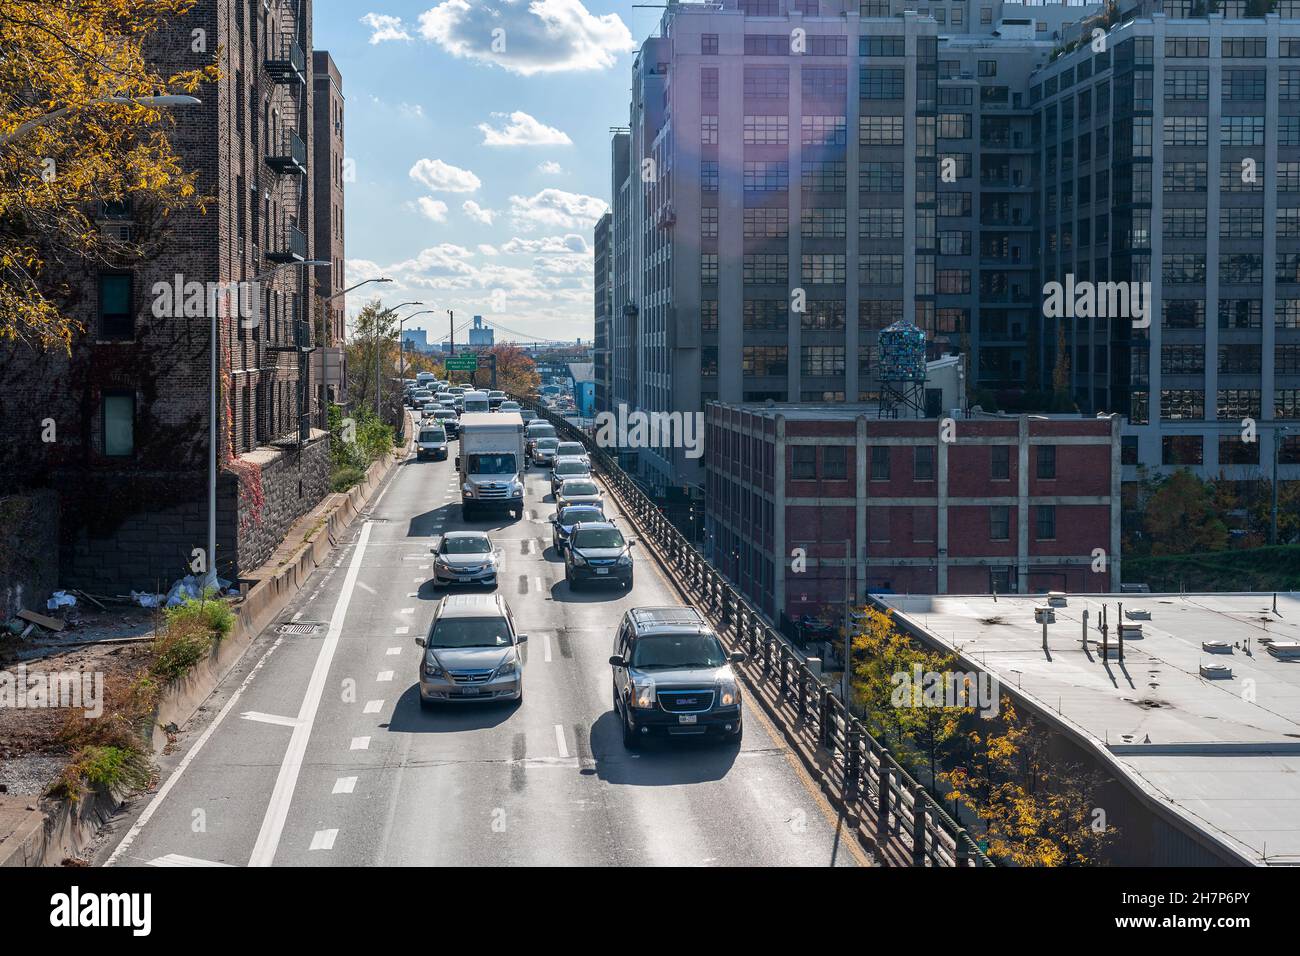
[578, 491]
[543, 452]
[563, 522]
[431, 441]
[673, 678]
[565, 468]
[598, 552]
[472, 652]
[464, 557]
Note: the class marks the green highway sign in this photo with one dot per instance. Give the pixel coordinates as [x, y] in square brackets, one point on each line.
[462, 363]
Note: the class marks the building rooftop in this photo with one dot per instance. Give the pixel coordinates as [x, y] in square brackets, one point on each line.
[1221, 752]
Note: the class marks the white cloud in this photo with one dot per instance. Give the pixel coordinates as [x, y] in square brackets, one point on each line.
[478, 213]
[557, 209]
[544, 36]
[522, 130]
[434, 209]
[558, 245]
[411, 110]
[550, 168]
[385, 27]
[443, 177]
[487, 250]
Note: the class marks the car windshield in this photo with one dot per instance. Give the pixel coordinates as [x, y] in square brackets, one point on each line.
[541, 431]
[571, 468]
[597, 538]
[466, 546]
[571, 516]
[677, 650]
[572, 487]
[455, 632]
[492, 465]
[570, 448]
[433, 434]
[444, 413]
[547, 444]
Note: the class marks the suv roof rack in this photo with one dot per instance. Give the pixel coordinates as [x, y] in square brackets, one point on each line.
[667, 615]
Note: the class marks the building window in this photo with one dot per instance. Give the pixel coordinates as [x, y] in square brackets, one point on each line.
[923, 463]
[880, 463]
[999, 520]
[766, 130]
[116, 308]
[709, 44]
[1001, 463]
[1046, 461]
[1181, 450]
[822, 360]
[1046, 523]
[803, 462]
[834, 460]
[119, 424]
[709, 130]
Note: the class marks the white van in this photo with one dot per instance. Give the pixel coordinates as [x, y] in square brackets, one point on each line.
[476, 402]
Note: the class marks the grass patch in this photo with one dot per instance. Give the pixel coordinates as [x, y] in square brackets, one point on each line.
[346, 478]
[102, 768]
[189, 632]
[1253, 569]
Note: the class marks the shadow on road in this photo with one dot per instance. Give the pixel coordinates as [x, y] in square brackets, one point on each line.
[659, 763]
[589, 593]
[409, 718]
[422, 525]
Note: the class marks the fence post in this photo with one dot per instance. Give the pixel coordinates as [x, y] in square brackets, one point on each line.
[852, 755]
[918, 826]
[961, 851]
[886, 782]
[802, 704]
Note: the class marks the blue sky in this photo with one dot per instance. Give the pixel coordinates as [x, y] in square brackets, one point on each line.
[479, 133]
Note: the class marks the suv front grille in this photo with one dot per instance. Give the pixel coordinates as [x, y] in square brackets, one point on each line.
[686, 701]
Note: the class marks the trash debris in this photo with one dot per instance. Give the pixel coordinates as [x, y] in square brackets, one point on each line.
[60, 599]
[49, 623]
[187, 588]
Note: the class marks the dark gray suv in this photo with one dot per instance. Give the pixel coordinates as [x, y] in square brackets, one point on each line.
[673, 678]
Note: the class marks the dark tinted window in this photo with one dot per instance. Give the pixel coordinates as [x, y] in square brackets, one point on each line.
[677, 650]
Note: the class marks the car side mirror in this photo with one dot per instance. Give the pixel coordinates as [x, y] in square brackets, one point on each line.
[617, 660]
[419, 642]
[738, 657]
[521, 638]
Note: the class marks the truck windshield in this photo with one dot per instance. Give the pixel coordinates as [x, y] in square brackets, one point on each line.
[678, 650]
[492, 465]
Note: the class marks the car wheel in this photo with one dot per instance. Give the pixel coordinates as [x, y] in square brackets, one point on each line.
[630, 739]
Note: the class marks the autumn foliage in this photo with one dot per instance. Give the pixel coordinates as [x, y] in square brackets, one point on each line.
[66, 148]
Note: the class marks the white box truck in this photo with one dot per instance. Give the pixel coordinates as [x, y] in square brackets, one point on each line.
[491, 463]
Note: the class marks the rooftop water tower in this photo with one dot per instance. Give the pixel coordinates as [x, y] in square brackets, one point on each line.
[902, 370]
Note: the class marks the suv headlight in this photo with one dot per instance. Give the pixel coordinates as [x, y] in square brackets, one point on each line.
[625, 559]
[433, 669]
[578, 558]
[643, 693]
[728, 692]
[509, 667]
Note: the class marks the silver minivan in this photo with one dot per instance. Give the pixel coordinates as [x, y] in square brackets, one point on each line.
[472, 652]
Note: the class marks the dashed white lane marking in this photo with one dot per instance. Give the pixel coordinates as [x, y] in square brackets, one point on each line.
[295, 617]
[425, 567]
[407, 610]
[323, 839]
[402, 630]
[373, 707]
[394, 651]
[360, 743]
[269, 718]
[546, 648]
[366, 587]
[277, 811]
[418, 580]
[560, 743]
[175, 859]
[166, 788]
[412, 593]
[345, 785]
[537, 583]
[383, 676]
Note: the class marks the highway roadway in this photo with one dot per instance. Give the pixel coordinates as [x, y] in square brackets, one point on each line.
[314, 751]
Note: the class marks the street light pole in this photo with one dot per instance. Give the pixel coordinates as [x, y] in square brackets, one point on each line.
[379, 384]
[211, 579]
[157, 102]
[401, 342]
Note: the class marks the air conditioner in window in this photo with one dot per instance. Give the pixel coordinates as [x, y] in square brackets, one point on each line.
[116, 230]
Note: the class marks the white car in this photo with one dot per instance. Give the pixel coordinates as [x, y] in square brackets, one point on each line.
[578, 491]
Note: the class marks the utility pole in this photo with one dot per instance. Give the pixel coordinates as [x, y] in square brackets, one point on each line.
[451, 335]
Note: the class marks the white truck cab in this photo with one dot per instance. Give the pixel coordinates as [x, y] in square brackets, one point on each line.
[491, 463]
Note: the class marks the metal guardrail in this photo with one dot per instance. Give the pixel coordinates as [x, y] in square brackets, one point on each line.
[909, 825]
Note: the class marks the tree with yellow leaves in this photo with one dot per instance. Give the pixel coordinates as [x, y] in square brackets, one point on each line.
[82, 129]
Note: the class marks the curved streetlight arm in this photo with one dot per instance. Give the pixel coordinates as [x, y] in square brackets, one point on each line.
[168, 101]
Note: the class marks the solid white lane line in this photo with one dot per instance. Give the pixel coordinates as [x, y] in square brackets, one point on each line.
[373, 707]
[345, 784]
[268, 838]
[175, 859]
[394, 651]
[559, 742]
[384, 676]
[360, 743]
[269, 718]
[166, 788]
[324, 839]
[546, 648]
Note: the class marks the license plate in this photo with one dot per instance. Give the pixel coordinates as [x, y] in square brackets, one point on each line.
[602, 570]
[686, 719]
[470, 691]
[464, 579]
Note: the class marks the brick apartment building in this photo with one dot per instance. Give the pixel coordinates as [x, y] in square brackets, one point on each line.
[1015, 504]
[327, 181]
[130, 403]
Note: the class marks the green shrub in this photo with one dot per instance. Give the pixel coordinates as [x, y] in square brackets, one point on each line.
[345, 478]
[115, 768]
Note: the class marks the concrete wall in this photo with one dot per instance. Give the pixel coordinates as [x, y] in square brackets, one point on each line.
[29, 551]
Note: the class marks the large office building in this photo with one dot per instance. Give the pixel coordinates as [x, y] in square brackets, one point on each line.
[926, 162]
[603, 303]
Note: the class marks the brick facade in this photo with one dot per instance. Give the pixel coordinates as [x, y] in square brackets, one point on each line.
[132, 519]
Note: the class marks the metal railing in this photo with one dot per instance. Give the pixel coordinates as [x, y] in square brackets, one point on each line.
[907, 824]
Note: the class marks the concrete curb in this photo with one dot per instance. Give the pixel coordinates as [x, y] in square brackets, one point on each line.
[58, 830]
